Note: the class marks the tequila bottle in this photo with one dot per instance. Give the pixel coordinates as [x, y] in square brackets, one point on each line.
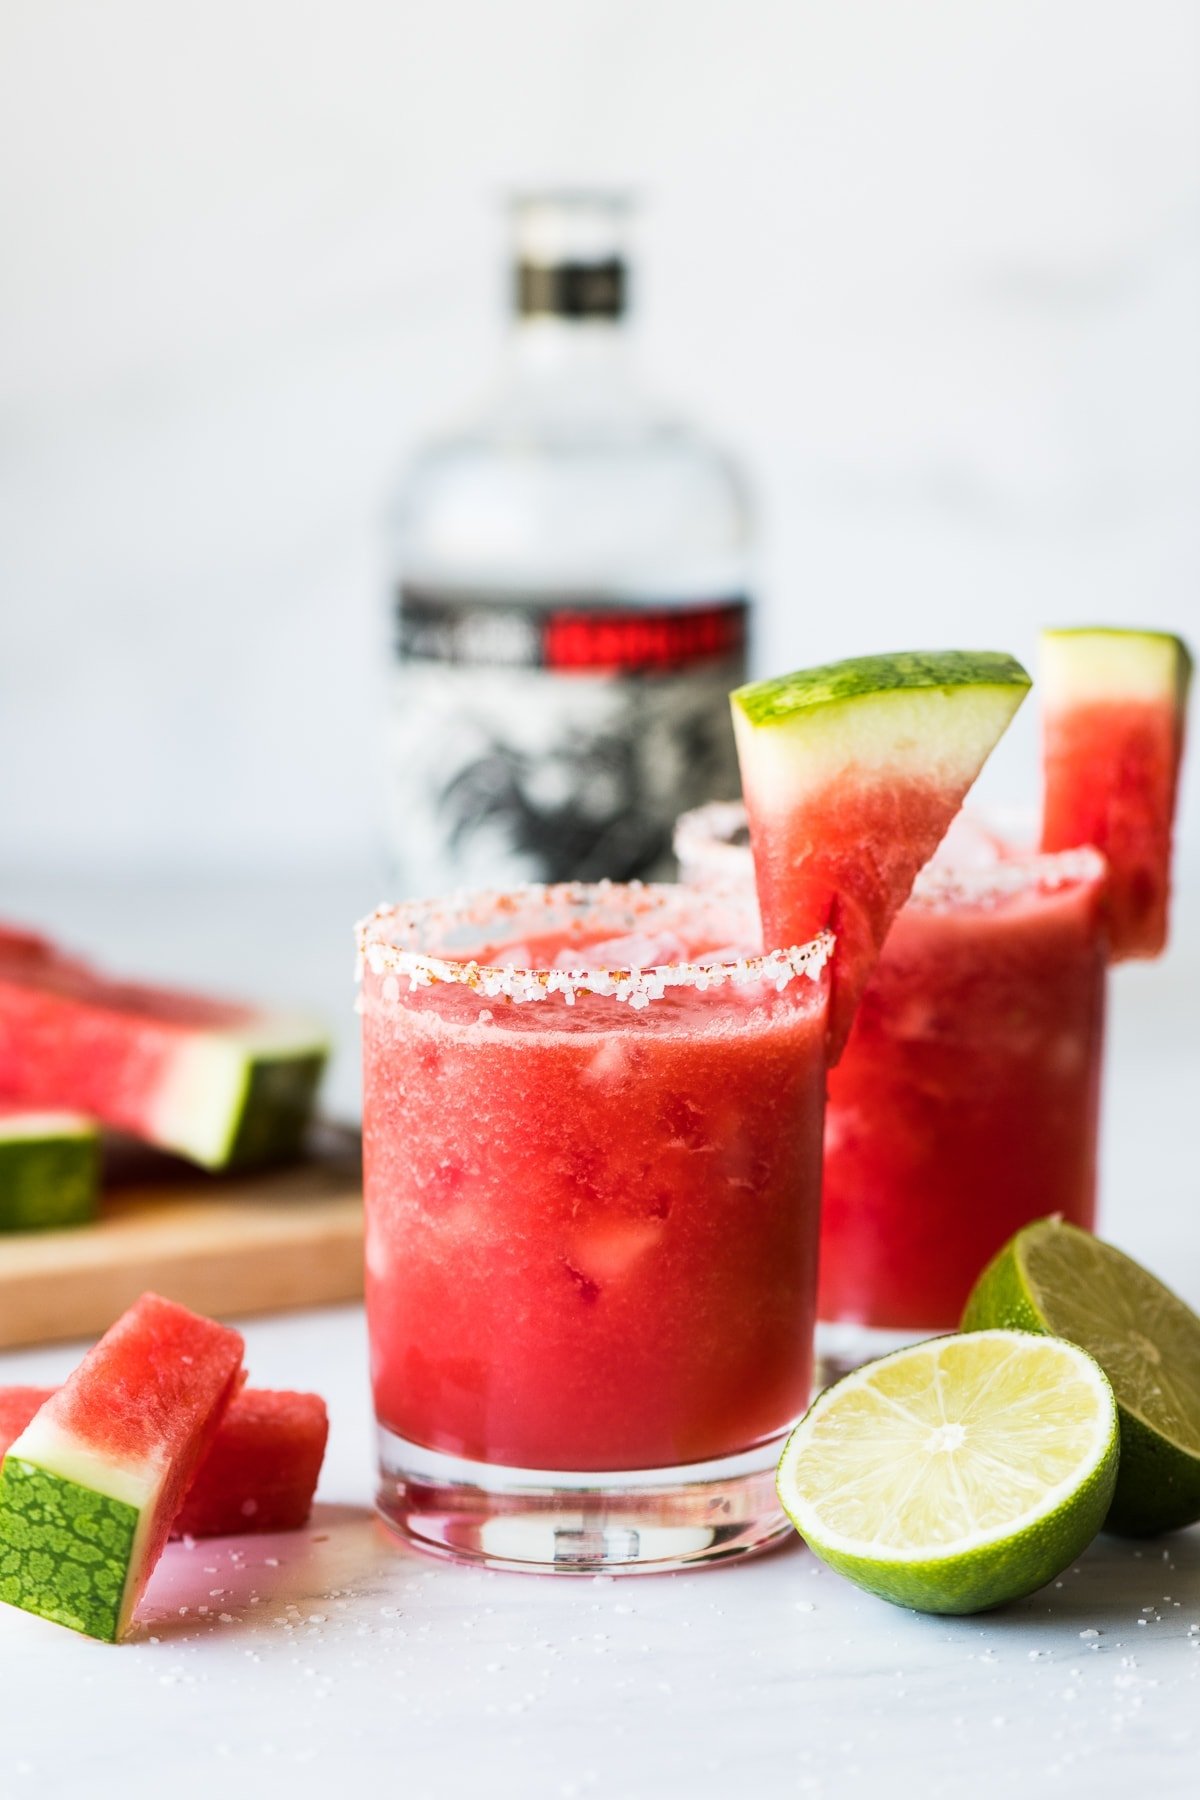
[571, 596]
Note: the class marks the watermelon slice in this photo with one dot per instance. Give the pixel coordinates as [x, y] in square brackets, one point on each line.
[90, 1488]
[49, 1168]
[261, 1470]
[223, 1084]
[852, 773]
[1114, 704]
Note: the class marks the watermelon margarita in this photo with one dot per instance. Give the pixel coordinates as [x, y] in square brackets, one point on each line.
[966, 1102]
[592, 1142]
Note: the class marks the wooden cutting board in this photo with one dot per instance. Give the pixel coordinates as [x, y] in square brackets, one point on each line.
[225, 1245]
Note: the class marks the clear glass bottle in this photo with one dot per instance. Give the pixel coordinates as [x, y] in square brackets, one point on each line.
[571, 595]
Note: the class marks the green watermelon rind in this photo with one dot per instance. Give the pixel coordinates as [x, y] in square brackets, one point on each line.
[777, 701]
[1124, 662]
[49, 1170]
[236, 1102]
[65, 1550]
[928, 732]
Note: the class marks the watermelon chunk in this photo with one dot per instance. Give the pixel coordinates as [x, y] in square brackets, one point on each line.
[49, 1168]
[90, 1488]
[852, 772]
[1114, 705]
[260, 1473]
[224, 1084]
[17, 1407]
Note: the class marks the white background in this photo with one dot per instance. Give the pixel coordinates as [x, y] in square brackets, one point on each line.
[933, 268]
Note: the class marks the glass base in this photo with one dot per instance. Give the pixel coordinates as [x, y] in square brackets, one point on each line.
[643, 1521]
[842, 1346]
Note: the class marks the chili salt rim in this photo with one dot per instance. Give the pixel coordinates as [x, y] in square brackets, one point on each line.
[379, 952]
[943, 884]
[703, 838]
[703, 835]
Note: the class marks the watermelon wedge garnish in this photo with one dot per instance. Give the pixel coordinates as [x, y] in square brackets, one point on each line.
[851, 773]
[49, 1168]
[260, 1473]
[1113, 722]
[224, 1084]
[90, 1488]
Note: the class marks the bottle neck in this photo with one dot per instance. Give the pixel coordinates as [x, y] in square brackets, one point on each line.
[546, 346]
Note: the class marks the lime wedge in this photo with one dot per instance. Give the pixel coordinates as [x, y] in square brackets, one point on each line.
[957, 1474]
[1052, 1277]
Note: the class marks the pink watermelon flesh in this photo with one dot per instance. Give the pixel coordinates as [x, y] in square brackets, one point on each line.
[217, 1081]
[1111, 770]
[17, 1407]
[49, 1167]
[260, 1473]
[90, 1488]
[845, 861]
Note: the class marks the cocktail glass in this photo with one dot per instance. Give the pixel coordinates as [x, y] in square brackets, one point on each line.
[592, 1137]
[966, 1102]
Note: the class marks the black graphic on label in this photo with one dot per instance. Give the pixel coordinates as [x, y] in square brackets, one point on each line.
[548, 743]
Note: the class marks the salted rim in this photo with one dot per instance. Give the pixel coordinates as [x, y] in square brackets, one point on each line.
[940, 884]
[379, 951]
[702, 835]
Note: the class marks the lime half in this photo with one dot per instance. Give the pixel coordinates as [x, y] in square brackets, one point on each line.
[1052, 1277]
[957, 1474]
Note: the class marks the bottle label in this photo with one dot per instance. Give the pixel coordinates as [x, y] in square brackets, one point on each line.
[538, 739]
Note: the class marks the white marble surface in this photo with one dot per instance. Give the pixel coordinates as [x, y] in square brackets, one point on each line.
[332, 1660]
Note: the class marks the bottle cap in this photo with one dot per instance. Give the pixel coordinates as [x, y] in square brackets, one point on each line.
[571, 254]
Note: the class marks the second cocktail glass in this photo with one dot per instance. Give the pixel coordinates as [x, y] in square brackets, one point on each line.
[592, 1137]
[966, 1102]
